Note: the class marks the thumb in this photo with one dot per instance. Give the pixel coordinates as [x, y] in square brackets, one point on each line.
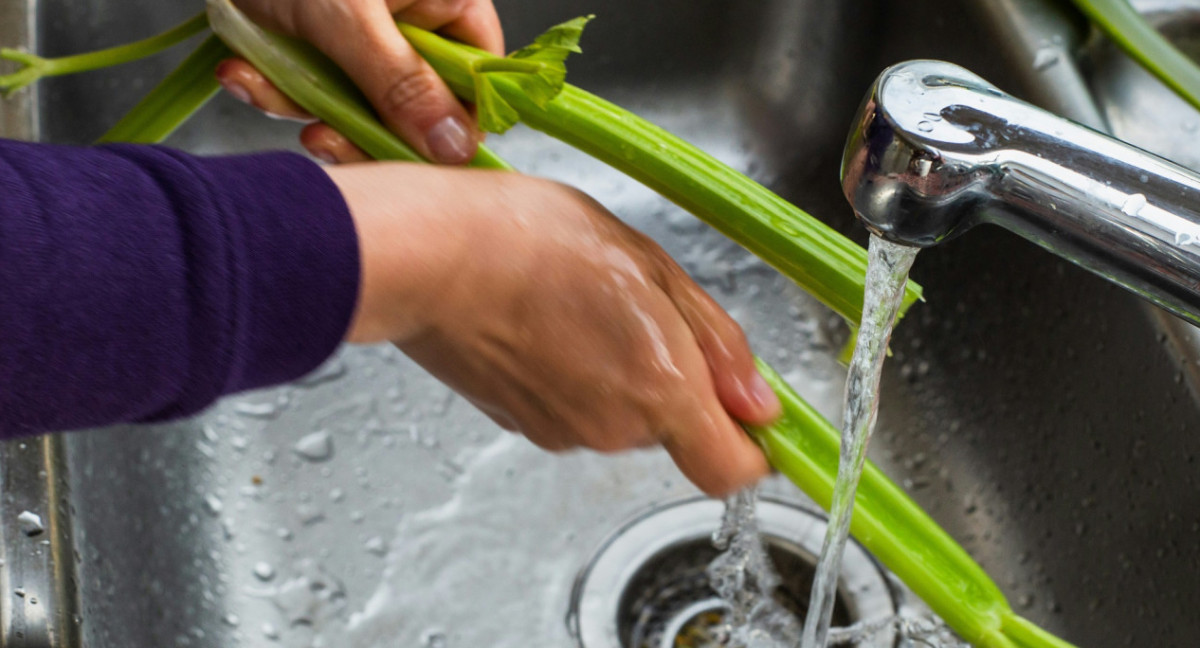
[408, 95]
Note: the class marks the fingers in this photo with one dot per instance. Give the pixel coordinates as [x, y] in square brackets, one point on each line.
[246, 83]
[409, 96]
[474, 22]
[328, 145]
[743, 392]
[710, 448]
[715, 454]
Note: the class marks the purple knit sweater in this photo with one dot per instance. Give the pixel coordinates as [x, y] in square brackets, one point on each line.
[139, 283]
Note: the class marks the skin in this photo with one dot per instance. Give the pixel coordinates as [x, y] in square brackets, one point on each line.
[526, 296]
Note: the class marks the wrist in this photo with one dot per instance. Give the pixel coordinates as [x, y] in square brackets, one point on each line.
[414, 224]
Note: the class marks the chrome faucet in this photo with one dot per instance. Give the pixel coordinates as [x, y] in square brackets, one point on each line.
[935, 150]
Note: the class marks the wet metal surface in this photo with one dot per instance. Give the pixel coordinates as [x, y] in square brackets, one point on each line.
[1028, 406]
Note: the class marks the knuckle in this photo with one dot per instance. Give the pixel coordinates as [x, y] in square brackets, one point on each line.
[607, 440]
[732, 332]
[457, 7]
[615, 437]
[408, 90]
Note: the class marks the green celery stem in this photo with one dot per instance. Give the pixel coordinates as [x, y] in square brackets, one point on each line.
[822, 261]
[311, 80]
[174, 100]
[1130, 31]
[124, 53]
[804, 447]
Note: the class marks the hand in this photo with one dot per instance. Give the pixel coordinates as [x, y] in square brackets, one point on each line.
[553, 317]
[361, 37]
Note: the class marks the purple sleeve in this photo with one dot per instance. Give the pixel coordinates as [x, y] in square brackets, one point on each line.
[139, 283]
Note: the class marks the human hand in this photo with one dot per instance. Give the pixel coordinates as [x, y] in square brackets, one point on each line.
[361, 37]
[553, 317]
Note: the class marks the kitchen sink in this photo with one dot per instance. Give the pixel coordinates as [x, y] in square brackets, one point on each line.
[1043, 416]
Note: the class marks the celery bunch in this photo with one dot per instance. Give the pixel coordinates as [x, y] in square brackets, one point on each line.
[529, 86]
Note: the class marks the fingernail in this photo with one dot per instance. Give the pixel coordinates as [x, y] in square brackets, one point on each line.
[450, 142]
[762, 394]
[239, 92]
[324, 156]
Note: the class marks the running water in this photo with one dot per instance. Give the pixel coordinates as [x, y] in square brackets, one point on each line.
[745, 579]
[924, 631]
[887, 273]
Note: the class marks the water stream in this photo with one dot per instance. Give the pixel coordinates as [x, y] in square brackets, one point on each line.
[745, 578]
[887, 272]
[743, 575]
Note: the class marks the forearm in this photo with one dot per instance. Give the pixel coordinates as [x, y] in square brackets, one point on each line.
[140, 283]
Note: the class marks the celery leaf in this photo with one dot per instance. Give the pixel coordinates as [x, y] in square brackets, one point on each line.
[495, 115]
[539, 69]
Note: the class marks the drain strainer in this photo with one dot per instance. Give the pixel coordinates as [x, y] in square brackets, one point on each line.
[647, 586]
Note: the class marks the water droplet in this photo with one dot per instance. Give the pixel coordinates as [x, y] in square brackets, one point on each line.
[1133, 204]
[784, 226]
[31, 523]
[213, 504]
[449, 470]
[317, 446]
[265, 410]
[264, 571]
[303, 598]
[309, 514]
[1044, 58]
[337, 495]
[377, 546]
[270, 631]
[433, 638]
[20, 592]
[232, 620]
[206, 449]
[328, 372]
[925, 126]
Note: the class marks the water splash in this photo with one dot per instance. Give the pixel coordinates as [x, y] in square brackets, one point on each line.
[745, 578]
[914, 631]
[887, 271]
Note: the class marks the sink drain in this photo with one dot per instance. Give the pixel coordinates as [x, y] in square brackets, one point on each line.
[647, 586]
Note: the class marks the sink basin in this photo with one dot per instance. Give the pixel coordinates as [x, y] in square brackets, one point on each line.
[1035, 411]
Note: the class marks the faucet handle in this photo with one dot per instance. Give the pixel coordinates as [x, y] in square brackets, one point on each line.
[935, 150]
[904, 169]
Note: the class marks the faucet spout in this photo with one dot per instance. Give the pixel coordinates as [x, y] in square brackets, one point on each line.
[936, 150]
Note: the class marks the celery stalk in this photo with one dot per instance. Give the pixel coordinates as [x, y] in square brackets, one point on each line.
[174, 99]
[820, 260]
[318, 86]
[809, 252]
[804, 447]
[1130, 31]
[36, 67]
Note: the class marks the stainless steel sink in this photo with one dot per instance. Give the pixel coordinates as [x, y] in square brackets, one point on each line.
[1041, 415]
